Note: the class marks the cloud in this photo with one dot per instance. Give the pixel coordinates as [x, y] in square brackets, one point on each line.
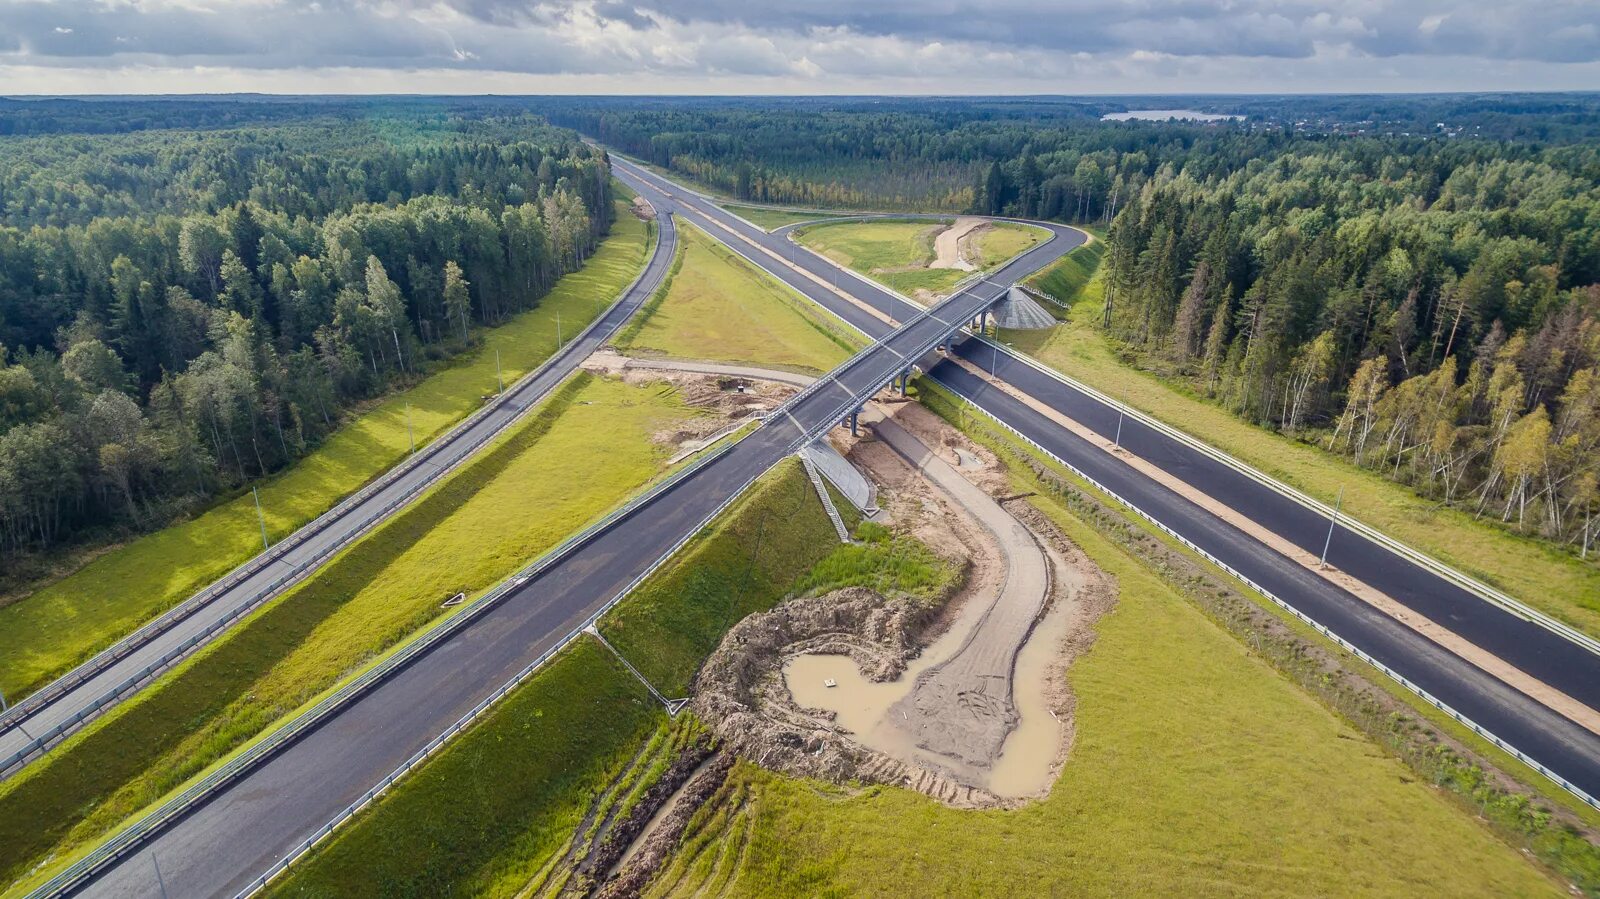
[923, 46]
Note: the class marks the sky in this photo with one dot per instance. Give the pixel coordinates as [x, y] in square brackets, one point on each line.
[788, 47]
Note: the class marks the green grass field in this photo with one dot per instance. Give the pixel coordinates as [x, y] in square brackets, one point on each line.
[716, 306]
[1528, 569]
[588, 449]
[47, 633]
[771, 219]
[561, 737]
[1196, 770]
[898, 251]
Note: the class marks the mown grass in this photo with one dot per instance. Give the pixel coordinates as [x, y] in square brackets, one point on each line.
[482, 816]
[1528, 569]
[1002, 240]
[897, 252]
[445, 829]
[744, 563]
[45, 634]
[1067, 278]
[716, 306]
[772, 219]
[1195, 770]
[587, 449]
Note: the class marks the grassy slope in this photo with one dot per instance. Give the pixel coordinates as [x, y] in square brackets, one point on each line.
[47, 633]
[484, 815]
[896, 252]
[561, 737]
[717, 306]
[586, 451]
[1528, 569]
[1196, 770]
[770, 219]
[671, 623]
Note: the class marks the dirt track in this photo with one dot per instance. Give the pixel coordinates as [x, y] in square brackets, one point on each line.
[962, 708]
[948, 244]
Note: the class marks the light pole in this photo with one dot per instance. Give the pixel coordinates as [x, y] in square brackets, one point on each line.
[1331, 522]
[159, 882]
[499, 379]
[262, 518]
[410, 435]
[1117, 443]
[558, 329]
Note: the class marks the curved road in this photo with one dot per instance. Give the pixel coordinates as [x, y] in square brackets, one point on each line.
[224, 842]
[79, 696]
[1555, 741]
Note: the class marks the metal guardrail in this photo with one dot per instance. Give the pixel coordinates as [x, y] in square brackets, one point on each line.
[1466, 582]
[129, 840]
[433, 746]
[170, 619]
[1344, 644]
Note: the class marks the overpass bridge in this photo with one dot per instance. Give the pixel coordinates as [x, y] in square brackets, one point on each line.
[244, 823]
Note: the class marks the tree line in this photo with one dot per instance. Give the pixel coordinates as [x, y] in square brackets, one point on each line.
[184, 311]
[1432, 311]
[1407, 280]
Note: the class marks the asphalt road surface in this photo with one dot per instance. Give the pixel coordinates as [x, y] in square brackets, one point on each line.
[348, 521]
[1533, 728]
[224, 843]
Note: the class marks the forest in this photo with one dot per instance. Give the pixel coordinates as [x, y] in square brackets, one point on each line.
[1411, 281]
[192, 295]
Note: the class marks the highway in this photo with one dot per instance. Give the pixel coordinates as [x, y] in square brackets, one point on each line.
[222, 844]
[55, 711]
[1557, 742]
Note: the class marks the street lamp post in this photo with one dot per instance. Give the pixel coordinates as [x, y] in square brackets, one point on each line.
[262, 518]
[1333, 520]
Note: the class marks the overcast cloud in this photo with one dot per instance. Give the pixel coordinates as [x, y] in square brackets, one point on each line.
[771, 46]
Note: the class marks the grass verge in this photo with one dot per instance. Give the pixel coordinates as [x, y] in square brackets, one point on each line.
[45, 634]
[585, 450]
[1531, 570]
[717, 306]
[771, 219]
[745, 561]
[481, 817]
[1195, 769]
[897, 252]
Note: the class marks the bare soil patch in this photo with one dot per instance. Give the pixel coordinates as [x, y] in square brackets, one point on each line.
[924, 693]
[952, 246]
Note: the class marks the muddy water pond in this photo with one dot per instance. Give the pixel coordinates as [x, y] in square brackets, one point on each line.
[861, 706]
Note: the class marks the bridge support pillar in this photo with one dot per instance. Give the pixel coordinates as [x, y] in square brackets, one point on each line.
[854, 415]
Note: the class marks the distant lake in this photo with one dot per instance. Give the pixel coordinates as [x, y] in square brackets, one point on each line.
[1162, 115]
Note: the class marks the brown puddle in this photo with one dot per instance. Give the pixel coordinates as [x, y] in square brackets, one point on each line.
[1026, 763]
